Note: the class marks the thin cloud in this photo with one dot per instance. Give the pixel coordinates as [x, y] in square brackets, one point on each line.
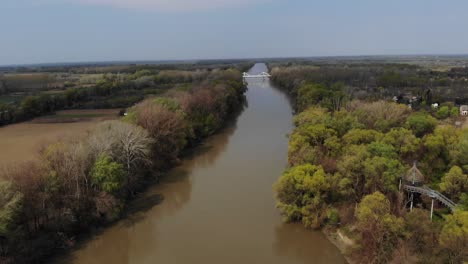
[174, 5]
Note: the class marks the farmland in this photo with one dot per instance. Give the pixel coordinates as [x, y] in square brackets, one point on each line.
[20, 142]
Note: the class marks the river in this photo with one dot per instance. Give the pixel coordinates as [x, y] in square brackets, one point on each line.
[218, 205]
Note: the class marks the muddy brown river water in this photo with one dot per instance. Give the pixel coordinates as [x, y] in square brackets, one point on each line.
[218, 205]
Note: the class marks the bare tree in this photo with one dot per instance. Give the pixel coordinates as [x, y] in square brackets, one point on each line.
[125, 143]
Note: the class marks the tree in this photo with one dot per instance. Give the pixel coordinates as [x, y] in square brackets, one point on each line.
[311, 94]
[382, 174]
[454, 183]
[421, 124]
[69, 162]
[463, 204]
[422, 233]
[404, 141]
[459, 153]
[126, 143]
[168, 129]
[342, 122]
[379, 230]
[380, 115]
[307, 142]
[107, 175]
[454, 236]
[10, 207]
[381, 149]
[361, 136]
[301, 193]
[300, 151]
[312, 116]
[351, 172]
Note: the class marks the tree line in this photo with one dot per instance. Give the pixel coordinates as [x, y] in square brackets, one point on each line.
[377, 81]
[346, 158]
[120, 89]
[85, 182]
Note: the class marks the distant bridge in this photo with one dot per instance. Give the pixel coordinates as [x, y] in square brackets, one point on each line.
[261, 75]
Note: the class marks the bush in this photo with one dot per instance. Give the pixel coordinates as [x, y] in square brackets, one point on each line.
[442, 113]
[333, 216]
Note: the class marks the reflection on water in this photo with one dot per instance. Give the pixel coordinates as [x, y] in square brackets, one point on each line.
[218, 205]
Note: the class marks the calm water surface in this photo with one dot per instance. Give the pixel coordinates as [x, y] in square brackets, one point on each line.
[218, 206]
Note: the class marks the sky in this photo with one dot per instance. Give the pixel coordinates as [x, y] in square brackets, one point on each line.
[49, 31]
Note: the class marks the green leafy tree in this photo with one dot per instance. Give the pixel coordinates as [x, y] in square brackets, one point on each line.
[463, 202]
[381, 174]
[454, 236]
[421, 124]
[379, 230]
[435, 158]
[10, 207]
[459, 153]
[351, 172]
[361, 136]
[312, 116]
[307, 141]
[342, 122]
[382, 150]
[300, 151]
[404, 141]
[311, 94]
[301, 193]
[108, 175]
[454, 183]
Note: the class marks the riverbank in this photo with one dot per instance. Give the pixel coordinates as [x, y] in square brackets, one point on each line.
[78, 183]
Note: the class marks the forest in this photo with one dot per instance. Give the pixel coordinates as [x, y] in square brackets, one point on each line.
[353, 142]
[81, 183]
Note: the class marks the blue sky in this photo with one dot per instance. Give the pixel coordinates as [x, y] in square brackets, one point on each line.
[38, 31]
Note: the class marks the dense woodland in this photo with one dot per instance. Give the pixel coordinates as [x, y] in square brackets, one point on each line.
[351, 146]
[85, 182]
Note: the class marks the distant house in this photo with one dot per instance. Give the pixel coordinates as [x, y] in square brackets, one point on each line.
[464, 110]
[435, 105]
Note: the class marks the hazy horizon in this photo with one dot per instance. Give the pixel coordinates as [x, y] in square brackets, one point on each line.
[257, 59]
[77, 31]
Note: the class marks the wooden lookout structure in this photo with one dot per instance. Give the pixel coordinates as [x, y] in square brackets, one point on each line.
[413, 182]
[413, 176]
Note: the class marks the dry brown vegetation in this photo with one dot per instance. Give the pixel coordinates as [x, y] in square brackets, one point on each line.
[20, 142]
